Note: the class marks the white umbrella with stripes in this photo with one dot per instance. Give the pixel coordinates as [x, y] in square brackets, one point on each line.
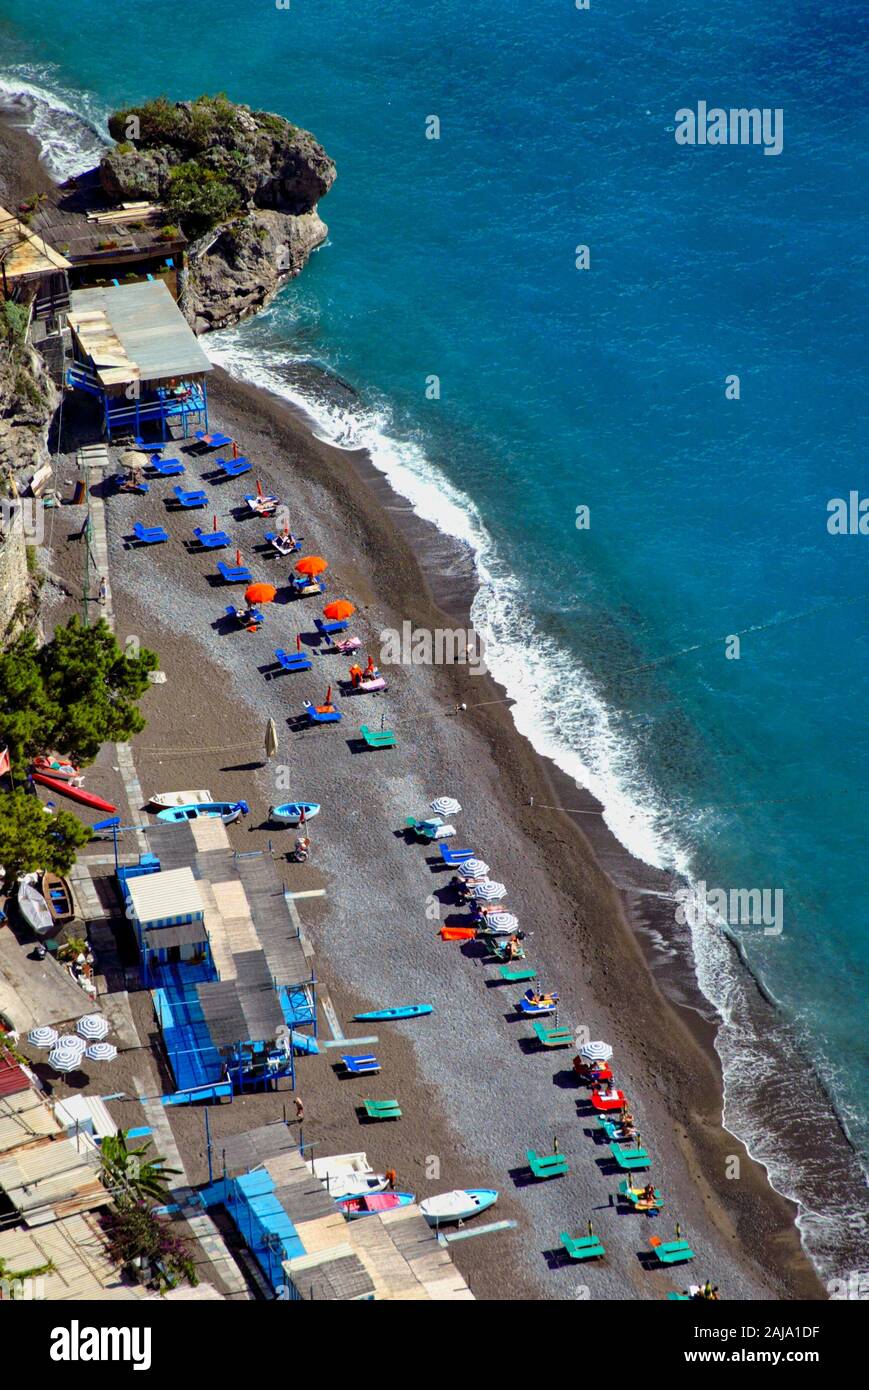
[101, 1052]
[72, 1040]
[65, 1058]
[94, 1027]
[445, 806]
[474, 868]
[595, 1052]
[502, 922]
[42, 1037]
[489, 891]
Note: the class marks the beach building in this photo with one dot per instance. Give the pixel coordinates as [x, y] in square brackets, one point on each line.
[304, 1246]
[31, 270]
[232, 985]
[46, 1173]
[134, 352]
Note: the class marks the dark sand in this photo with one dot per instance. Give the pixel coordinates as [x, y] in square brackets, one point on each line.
[473, 1096]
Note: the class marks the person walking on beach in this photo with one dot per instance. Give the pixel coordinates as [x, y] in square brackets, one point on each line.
[391, 1179]
[103, 590]
[300, 1109]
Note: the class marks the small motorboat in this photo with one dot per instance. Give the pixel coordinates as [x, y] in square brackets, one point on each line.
[60, 768]
[386, 1015]
[58, 896]
[347, 1175]
[33, 907]
[459, 1205]
[291, 812]
[188, 798]
[227, 811]
[533, 1005]
[374, 1204]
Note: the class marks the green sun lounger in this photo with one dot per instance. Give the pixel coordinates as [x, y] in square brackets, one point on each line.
[382, 1109]
[679, 1297]
[630, 1158]
[374, 738]
[553, 1037]
[674, 1252]
[517, 975]
[582, 1247]
[547, 1165]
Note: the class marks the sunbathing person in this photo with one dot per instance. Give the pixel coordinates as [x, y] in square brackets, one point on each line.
[648, 1194]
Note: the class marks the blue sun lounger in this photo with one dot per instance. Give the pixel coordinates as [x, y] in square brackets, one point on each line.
[326, 629]
[165, 468]
[212, 441]
[252, 616]
[273, 536]
[196, 498]
[361, 1066]
[317, 716]
[233, 468]
[293, 661]
[149, 535]
[211, 540]
[455, 856]
[234, 574]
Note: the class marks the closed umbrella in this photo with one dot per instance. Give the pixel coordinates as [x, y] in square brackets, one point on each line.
[92, 1026]
[474, 868]
[101, 1052]
[271, 739]
[445, 806]
[489, 892]
[339, 609]
[42, 1037]
[595, 1052]
[502, 922]
[260, 593]
[65, 1058]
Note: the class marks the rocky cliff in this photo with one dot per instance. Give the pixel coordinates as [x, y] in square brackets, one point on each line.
[243, 185]
[27, 403]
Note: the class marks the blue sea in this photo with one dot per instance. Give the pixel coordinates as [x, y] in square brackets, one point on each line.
[560, 388]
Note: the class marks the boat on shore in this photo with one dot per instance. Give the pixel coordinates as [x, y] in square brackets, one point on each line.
[188, 798]
[376, 1203]
[227, 811]
[385, 1015]
[292, 812]
[459, 1205]
[58, 897]
[33, 907]
[77, 793]
[347, 1175]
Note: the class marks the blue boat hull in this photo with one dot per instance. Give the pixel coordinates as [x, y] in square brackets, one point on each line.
[384, 1015]
[291, 811]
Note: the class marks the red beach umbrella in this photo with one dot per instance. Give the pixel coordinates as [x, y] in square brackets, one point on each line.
[312, 564]
[339, 609]
[260, 593]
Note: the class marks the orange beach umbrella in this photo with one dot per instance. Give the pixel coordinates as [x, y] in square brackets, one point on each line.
[339, 609]
[312, 564]
[260, 593]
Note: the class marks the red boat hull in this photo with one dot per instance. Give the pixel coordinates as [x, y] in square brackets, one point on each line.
[77, 793]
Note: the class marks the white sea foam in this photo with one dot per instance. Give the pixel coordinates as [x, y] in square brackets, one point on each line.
[70, 126]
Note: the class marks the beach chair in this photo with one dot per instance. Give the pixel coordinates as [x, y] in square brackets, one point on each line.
[196, 498]
[148, 448]
[234, 574]
[581, 1247]
[680, 1297]
[547, 1165]
[361, 1066]
[384, 738]
[211, 540]
[518, 974]
[121, 483]
[634, 1196]
[149, 535]
[318, 716]
[604, 1103]
[165, 468]
[274, 539]
[452, 857]
[673, 1252]
[457, 933]
[233, 468]
[549, 1037]
[212, 441]
[293, 661]
[261, 505]
[382, 1109]
[248, 617]
[303, 586]
[630, 1159]
[326, 629]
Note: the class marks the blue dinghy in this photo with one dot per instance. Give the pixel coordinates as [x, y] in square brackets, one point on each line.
[384, 1015]
[228, 811]
[291, 811]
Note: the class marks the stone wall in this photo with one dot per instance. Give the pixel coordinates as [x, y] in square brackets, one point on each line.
[14, 578]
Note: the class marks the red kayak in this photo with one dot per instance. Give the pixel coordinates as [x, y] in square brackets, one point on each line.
[77, 793]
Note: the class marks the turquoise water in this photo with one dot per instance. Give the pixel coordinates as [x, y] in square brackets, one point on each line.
[605, 388]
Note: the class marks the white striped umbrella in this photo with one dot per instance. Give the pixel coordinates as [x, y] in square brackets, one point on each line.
[489, 892]
[445, 806]
[92, 1026]
[474, 868]
[502, 921]
[595, 1052]
[65, 1058]
[72, 1040]
[101, 1052]
[42, 1037]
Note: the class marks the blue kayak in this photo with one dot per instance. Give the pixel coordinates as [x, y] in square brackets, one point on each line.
[291, 811]
[383, 1015]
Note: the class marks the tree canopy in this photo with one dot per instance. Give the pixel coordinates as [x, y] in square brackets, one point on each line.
[74, 693]
[31, 839]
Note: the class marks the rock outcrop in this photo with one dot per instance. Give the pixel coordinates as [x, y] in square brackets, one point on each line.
[243, 185]
[28, 400]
